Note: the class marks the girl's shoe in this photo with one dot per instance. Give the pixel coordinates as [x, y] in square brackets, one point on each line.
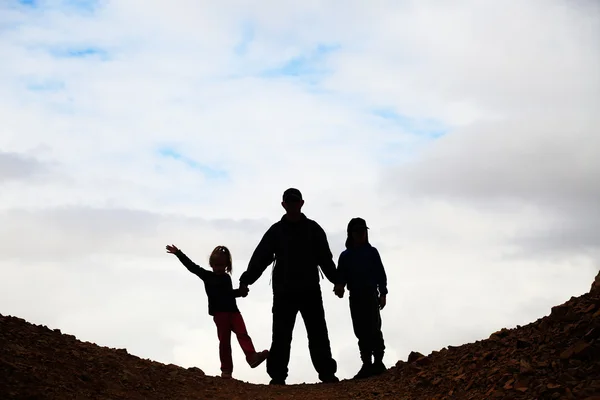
[226, 375]
[257, 359]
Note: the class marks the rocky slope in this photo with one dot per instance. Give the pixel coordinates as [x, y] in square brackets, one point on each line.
[555, 357]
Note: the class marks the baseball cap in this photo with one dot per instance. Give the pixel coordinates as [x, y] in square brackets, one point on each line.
[292, 194]
[357, 223]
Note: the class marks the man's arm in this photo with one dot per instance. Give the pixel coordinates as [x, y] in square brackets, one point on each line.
[341, 278]
[381, 276]
[260, 260]
[324, 254]
[191, 266]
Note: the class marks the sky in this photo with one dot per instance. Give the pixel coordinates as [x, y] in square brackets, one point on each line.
[464, 133]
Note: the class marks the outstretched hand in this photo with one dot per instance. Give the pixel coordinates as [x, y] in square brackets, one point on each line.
[171, 248]
[339, 290]
[382, 302]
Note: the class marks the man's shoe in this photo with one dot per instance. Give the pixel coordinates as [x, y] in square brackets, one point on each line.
[277, 382]
[378, 368]
[226, 375]
[258, 358]
[365, 371]
[330, 379]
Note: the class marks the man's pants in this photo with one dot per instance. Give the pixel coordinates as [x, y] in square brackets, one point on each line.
[366, 321]
[285, 307]
[228, 322]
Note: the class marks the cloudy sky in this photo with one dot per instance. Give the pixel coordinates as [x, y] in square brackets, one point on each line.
[464, 132]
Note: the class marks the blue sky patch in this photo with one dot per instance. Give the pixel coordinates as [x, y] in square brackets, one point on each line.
[79, 52]
[426, 127]
[84, 6]
[45, 85]
[206, 170]
[307, 64]
[241, 48]
[30, 3]
[80, 5]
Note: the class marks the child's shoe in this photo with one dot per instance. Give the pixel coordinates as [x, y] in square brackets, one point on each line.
[365, 371]
[226, 375]
[257, 359]
[378, 368]
[330, 379]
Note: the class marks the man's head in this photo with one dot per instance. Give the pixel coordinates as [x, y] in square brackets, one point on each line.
[292, 202]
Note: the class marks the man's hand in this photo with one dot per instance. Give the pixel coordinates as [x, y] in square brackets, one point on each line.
[381, 302]
[244, 290]
[339, 290]
[171, 248]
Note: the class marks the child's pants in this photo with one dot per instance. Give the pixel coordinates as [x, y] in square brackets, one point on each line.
[366, 321]
[228, 322]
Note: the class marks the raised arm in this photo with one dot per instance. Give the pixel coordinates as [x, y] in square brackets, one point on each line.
[189, 264]
[261, 258]
[324, 254]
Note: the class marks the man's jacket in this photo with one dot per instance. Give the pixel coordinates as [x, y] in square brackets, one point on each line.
[298, 249]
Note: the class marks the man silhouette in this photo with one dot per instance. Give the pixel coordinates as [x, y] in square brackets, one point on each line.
[297, 246]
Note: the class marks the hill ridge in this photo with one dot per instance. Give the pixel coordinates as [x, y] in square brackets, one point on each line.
[554, 357]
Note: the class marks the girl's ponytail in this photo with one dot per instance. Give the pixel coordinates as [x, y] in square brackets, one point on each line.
[222, 251]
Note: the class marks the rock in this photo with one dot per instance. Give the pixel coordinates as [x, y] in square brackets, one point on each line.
[525, 368]
[502, 333]
[196, 370]
[580, 349]
[423, 361]
[596, 283]
[414, 356]
[592, 334]
[522, 385]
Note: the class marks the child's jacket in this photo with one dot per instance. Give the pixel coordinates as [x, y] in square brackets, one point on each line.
[219, 289]
[362, 270]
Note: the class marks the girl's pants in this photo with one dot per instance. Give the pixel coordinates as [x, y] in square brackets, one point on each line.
[228, 322]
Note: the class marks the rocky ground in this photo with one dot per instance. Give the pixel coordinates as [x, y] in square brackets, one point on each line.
[555, 357]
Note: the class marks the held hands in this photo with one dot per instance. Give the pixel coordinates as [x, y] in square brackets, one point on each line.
[244, 290]
[339, 290]
[171, 248]
[382, 302]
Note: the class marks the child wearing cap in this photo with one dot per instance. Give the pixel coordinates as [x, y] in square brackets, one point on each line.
[360, 268]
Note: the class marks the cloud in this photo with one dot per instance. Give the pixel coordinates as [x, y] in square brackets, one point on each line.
[464, 135]
[511, 165]
[14, 166]
[75, 232]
